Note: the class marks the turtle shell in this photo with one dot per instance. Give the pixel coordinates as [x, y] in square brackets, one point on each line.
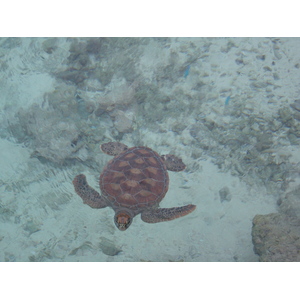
[135, 179]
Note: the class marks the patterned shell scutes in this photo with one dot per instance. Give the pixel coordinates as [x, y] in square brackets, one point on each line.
[135, 179]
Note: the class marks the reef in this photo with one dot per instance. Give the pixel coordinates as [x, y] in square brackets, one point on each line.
[276, 236]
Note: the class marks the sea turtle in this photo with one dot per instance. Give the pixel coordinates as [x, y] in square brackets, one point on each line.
[132, 183]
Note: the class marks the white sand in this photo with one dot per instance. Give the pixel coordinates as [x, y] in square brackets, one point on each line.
[43, 219]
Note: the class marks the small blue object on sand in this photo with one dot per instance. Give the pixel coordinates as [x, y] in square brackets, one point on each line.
[187, 71]
[227, 100]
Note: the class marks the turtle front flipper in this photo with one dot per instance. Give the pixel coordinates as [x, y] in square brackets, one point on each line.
[113, 148]
[166, 214]
[88, 194]
[173, 163]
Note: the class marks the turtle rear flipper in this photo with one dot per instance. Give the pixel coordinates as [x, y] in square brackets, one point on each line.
[87, 193]
[166, 214]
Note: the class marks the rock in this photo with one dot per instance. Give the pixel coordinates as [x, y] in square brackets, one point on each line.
[225, 194]
[50, 45]
[31, 227]
[286, 116]
[107, 246]
[53, 136]
[296, 105]
[276, 237]
[9, 257]
[85, 246]
[73, 75]
[123, 122]
[290, 203]
[264, 141]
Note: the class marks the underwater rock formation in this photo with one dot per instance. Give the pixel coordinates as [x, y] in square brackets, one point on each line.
[276, 236]
[290, 203]
[48, 133]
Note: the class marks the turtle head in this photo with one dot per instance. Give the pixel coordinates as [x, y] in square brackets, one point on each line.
[123, 220]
